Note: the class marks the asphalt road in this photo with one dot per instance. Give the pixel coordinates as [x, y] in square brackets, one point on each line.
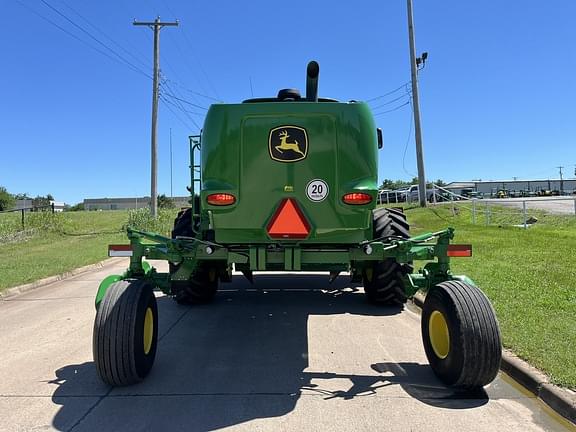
[290, 353]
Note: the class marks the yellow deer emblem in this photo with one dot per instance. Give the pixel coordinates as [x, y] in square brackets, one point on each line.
[285, 145]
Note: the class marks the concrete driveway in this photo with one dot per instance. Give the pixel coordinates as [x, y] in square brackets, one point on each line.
[289, 353]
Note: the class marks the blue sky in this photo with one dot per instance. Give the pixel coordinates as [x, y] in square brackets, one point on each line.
[497, 92]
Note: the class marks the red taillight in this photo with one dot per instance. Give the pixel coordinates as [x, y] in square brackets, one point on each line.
[288, 221]
[220, 199]
[357, 198]
[456, 250]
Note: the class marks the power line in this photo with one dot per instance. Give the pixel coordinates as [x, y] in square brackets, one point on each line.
[389, 93]
[193, 71]
[72, 35]
[391, 110]
[392, 101]
[174, 104]
[169, 94]
[201, 67]
[193, 91]
[192, 50]
[179, 103]
[185, 56]
[184, 123]
[127, 62]
[408, 142]
[130, 53]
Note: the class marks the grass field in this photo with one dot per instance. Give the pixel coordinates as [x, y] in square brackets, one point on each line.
[529, 275]
[55, 243]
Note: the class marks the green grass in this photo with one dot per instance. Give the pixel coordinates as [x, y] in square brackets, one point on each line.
[530, 277]
[55, 243]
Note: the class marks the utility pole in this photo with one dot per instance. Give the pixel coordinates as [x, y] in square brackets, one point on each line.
[156, 26]
[416, 107]
[561, 181]
[171, 194]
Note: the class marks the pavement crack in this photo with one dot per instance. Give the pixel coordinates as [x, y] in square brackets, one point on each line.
[175, 323]
[92, 408]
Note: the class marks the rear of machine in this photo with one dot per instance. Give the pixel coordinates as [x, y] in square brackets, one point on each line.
[312, 164]
[290, 183]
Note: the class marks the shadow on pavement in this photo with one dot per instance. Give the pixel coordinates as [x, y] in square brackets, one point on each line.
[241, 358]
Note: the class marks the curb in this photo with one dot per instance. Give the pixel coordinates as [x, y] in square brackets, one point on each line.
[21, 289]
[562, 401]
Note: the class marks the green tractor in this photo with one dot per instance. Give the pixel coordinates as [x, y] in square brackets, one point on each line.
[289, 183]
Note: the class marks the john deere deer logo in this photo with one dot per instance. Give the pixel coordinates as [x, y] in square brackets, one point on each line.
[288, 143]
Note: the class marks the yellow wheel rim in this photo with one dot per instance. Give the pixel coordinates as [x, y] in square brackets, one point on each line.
[439, 334]
[148, 330]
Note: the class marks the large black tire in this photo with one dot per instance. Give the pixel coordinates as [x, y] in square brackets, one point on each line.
[384, 280]
[126, 333]
[201, 288]
[461, 335]
[203, 285]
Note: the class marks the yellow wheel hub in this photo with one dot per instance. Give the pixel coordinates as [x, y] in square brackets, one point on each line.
[148, 330]
[439, 334]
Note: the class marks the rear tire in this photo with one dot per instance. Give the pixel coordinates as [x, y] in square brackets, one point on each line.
[126, 333]
[201, 288]
[461, 335]
[203, 285]
[384, 280]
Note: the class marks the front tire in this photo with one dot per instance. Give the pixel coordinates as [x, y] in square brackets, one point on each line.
[126, 333]
[461, 335]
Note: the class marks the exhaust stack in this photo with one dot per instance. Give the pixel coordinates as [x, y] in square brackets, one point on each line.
[312, 72]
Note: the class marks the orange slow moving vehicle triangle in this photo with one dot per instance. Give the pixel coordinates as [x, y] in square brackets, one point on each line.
[288, 222]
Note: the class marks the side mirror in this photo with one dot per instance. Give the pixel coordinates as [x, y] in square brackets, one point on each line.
[380, 139]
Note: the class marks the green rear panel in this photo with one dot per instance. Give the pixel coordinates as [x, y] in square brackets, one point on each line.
[342, 151]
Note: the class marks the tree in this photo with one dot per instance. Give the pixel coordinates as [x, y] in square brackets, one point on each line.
[165, 202]
[42, 201]
[7, 201]
[394, 184]
[403, 184]
[77, 207]
[387, 184]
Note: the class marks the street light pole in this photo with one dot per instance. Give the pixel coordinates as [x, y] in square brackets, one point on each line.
[416, 108]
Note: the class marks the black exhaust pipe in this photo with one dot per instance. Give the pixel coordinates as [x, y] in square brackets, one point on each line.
[312, 72]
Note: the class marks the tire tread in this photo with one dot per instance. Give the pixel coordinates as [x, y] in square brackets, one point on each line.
[387, 283]
[114, 332]
[479, 344]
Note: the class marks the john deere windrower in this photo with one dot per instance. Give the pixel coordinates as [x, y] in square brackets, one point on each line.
[289, 183]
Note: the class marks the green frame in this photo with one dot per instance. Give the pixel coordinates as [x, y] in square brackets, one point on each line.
[189, 253]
